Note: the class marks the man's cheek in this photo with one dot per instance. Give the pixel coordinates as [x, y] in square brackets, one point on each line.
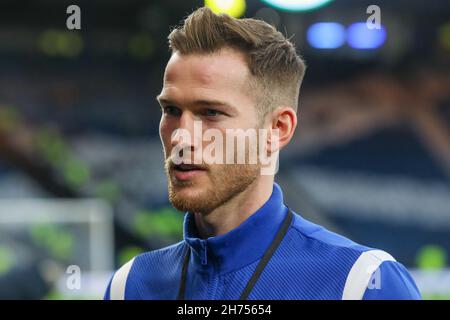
[165, 138]
[164, 128]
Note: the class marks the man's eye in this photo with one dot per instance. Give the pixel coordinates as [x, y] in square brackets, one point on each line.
[212, 113]
[171, 110]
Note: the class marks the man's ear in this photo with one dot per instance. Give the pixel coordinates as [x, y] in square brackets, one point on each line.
[283, 124]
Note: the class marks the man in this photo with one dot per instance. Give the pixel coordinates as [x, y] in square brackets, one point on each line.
[240, 240]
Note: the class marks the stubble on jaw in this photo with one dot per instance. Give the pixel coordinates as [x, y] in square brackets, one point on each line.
[226, 182]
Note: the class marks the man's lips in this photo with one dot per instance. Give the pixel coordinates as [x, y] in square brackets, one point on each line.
[187, 167]
[187, 171]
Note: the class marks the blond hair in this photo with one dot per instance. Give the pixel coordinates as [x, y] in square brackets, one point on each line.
[275, 67]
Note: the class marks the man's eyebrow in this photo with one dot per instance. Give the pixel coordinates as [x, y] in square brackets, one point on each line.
[212, 103]
[161, 99]
[204, 102]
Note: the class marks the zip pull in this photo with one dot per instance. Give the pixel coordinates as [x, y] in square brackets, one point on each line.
[204, 256]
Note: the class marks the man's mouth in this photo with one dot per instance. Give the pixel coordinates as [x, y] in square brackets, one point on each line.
[186, 171]
[187, 167]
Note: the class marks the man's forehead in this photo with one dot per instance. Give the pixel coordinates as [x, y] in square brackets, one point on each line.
[223, 66]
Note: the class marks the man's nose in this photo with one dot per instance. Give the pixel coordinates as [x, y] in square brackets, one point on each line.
[185, 133]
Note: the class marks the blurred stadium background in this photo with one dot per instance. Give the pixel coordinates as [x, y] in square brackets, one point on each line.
[81, 165]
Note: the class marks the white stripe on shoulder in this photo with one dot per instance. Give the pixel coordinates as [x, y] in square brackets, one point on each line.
[119, 281]
[360, 274]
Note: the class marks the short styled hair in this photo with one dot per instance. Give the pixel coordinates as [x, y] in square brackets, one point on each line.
[275, 67]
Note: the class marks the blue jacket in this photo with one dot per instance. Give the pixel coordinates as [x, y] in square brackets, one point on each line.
[310, 263]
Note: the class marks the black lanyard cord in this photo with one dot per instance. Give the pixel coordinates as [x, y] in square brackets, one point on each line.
[184, 274]
[259, 268]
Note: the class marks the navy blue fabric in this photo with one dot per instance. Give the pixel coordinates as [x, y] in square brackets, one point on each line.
[310, 263]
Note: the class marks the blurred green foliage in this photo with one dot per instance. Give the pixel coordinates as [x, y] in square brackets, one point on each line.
[431, 257]
[58, 243]
[165, 223]
[6, 260]
[108, 190]
[128, 253]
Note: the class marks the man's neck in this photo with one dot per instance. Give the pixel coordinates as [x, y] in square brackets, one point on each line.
[233, 213]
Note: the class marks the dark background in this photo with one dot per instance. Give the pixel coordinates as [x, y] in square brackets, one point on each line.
[78, 119]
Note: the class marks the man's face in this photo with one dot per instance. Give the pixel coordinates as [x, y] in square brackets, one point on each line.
[212, 89]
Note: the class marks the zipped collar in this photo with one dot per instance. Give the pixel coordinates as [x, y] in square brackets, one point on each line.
[240, 246]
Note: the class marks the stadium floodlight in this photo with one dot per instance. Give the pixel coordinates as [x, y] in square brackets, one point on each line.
[297, 5]
[359, 36]
[326, 35]
[234, 8]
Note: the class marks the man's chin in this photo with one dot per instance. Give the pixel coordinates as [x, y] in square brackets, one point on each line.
[186, 189]
[203, 194]
[191, 204]
[187, 196]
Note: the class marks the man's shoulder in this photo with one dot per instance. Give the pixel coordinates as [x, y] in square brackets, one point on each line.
[320, 238]
[359, 266]
[141, 276]
[158, 259]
